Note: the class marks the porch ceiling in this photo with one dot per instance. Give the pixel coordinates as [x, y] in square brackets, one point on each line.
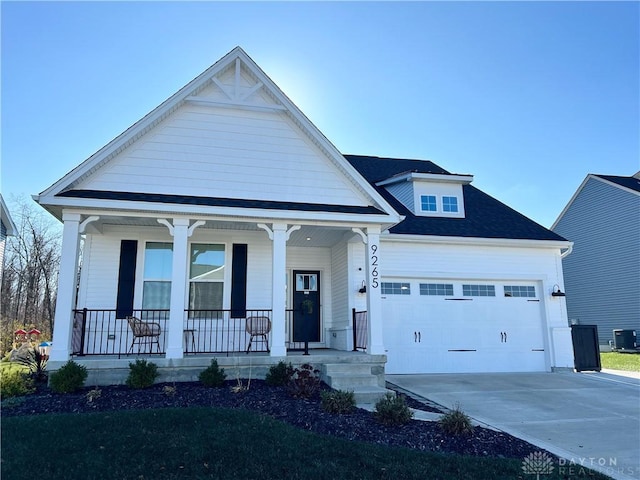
[307, 236]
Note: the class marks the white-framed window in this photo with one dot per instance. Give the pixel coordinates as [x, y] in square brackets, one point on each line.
[450, 204]
[428, 203]
[206, 277]
[479, 290]
[442, 289]
[395, 288]
[158, 266]
[520, 291]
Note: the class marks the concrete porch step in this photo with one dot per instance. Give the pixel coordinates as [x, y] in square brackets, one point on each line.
[370, 395]
[351, 382]
[347, 368]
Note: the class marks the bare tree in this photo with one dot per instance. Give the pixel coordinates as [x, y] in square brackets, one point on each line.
[30, 278]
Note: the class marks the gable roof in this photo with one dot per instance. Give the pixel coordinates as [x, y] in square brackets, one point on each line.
[69, 190]
[485, 217]
[628, 184]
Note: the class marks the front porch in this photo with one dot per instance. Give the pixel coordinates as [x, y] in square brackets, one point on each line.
[359, 372]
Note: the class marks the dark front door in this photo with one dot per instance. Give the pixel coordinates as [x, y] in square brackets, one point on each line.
[306, 306]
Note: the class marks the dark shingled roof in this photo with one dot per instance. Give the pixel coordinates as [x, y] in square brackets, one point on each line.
[219, 202]
[631, 183]
[485, 217]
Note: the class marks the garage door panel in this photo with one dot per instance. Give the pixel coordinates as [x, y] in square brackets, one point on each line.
[457, 333]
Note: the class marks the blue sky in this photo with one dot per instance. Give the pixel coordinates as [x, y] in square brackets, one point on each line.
[529, 97]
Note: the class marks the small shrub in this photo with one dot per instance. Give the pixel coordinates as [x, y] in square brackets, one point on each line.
[304, 382]
[338, 401]
[14, 383]
[69, 378]
[142, 374]
[213, 375]
[279, 374]
[169, 390]
[392, 410]
[35, 362]
[456, 422]
[93, 395]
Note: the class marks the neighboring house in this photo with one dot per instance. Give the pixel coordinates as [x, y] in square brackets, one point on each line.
[7, 229]
[602, 274]
[225, 203]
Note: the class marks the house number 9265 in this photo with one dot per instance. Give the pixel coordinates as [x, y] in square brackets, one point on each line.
[374, 266]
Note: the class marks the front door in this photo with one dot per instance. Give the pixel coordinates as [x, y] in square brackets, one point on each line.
[306, 306]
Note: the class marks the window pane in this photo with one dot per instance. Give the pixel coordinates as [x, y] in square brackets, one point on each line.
[520, 291]
[436, 289]
[205, 296]
[156, 295]
[207, 262]
[395, 288]
[158, 260]
[479, 290]
[428, 203]
[450, 204]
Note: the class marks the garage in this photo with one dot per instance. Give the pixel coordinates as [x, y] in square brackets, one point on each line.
[459, 326]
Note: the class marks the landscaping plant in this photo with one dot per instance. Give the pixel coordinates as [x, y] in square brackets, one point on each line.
[456, 422]
[338, 401]
[15, 383]
[142, 374]
[36, 362]
[213, 375]
[392, 410]
[69, 378]
[279, 374]
[304, 382]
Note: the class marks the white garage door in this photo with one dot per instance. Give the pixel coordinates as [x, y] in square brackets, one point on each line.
[436, 326]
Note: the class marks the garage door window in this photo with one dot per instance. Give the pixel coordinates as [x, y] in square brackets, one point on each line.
[395, 288]
[519, 291]
[442, 289]
[479, 290]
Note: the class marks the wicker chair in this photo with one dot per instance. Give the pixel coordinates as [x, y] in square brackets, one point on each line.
[144, 333]
[258, 327]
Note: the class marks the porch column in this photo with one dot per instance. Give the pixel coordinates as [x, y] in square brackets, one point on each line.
[374, 301]
[180, 234]
[66, 300]
[278, 295]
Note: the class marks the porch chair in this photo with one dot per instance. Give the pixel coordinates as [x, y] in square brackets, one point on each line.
[258, 327]
[146, 333]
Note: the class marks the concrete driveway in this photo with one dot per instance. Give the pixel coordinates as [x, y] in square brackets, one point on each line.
[591, 419]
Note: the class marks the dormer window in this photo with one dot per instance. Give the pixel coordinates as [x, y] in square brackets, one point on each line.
[428, 203]
[450, 204]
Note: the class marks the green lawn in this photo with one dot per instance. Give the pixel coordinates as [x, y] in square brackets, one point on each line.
[620, 361]
[200, 443]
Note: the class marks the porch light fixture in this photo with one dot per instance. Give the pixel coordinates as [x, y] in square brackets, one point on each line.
[557, 292]
[363, 289]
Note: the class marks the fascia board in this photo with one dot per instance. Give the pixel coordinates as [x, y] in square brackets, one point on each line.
[476, 241]
[204, 212]
[6, 219]
[616, 185]
[571, 200]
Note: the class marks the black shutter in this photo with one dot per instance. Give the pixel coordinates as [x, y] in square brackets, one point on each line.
[126, 278]
[239, 281]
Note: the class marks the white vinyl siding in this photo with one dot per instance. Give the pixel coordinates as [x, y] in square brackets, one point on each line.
[221, 152]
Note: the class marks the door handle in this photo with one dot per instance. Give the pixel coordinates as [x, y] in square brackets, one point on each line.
[415, 337]
[505, 337]
[419, 337]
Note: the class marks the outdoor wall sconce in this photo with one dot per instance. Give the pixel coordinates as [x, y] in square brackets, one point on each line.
[363, 289]
[557, 292]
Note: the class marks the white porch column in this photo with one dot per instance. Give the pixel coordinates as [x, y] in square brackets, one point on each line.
[178, 284]
[278, 296]
[374, 302]
[63, 326]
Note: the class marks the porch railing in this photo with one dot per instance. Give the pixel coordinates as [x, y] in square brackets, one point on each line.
[360, 326]
[100, 332]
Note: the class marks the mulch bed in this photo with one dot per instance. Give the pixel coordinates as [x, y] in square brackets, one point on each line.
[276, 402]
